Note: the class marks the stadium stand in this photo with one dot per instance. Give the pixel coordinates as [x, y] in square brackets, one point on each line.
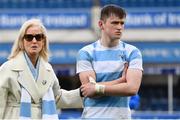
[26, 4]
[142, 3]
[5, 4]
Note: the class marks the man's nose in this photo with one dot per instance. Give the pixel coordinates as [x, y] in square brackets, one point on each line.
[120, 26]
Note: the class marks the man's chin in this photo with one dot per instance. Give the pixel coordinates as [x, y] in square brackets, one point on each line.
[115, 38]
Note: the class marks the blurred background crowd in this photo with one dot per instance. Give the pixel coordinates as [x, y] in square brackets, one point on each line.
[153, 26]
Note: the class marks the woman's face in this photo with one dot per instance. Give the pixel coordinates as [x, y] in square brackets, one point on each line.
[33, 41]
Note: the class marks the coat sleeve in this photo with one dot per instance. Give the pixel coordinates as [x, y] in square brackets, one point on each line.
[3, 90]
[3, 98]
[69, 99]
[66, 99]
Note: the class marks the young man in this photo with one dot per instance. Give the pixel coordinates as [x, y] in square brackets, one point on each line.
[100, 67]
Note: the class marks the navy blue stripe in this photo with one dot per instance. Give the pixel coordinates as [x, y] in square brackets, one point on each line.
[25, 109]
[48, 107]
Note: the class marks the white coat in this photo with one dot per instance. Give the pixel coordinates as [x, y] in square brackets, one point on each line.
[15, 73]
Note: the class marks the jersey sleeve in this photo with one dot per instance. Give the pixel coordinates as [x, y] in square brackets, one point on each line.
[84, 61]
[135, 59]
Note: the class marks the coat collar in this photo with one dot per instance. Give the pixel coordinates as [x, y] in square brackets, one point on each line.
[44, 81]
[19, 63]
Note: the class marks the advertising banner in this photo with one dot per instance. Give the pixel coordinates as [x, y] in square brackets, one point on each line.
[73, 19]
[153, 19]
[52, 20]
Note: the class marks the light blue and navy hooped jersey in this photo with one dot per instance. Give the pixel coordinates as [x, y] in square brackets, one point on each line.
[108, 64]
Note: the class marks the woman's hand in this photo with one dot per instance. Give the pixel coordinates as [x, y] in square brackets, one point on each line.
[88, 90]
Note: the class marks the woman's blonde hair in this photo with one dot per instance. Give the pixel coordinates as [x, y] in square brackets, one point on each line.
[18, 44]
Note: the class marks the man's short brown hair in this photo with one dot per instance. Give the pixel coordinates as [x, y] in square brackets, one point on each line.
[111, 9]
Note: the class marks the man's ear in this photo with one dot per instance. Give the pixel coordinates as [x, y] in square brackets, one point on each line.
[100, 23]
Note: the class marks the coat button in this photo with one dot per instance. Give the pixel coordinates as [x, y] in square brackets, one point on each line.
[44, 82]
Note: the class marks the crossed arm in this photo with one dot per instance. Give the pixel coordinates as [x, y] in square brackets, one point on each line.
[127, 85]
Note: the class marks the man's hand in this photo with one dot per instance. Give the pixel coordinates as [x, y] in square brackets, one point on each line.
[123, 77]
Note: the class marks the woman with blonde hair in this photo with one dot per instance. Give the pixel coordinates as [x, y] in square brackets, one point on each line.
[29, 87]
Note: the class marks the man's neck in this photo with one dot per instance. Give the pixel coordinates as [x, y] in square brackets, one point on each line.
[106, 42]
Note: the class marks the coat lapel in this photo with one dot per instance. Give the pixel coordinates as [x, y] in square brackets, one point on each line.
[27, 81]
[44, 80]
[35, 89]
